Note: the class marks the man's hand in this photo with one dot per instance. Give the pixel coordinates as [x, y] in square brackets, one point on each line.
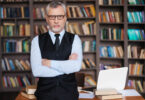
[46, 62]
[73, 56]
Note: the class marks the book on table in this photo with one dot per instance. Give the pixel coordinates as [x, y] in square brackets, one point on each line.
[29, 96]
[30, 89]
[112, 96]
[29, 92]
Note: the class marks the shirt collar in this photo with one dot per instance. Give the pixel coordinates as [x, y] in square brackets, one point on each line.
[53, 34]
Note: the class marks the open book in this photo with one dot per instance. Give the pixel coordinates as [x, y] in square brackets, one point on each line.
[86, 94]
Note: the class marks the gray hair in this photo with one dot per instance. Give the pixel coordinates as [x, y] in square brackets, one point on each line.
[55, 4]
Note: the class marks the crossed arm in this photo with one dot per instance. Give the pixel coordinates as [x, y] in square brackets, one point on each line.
[46, 62]
[48, 68]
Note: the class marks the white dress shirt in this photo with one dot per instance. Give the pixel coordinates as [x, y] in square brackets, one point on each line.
[57, 67]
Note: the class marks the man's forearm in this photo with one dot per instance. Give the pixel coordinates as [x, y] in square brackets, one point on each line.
[66, 66]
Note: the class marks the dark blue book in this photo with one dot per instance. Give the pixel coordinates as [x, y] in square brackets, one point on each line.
[19, 12]
[23, 83]
[142, 32]
[7, 46]
[11, 12]
[26, 11]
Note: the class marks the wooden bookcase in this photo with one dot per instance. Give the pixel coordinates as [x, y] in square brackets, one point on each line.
[15, 55]
[95, 56]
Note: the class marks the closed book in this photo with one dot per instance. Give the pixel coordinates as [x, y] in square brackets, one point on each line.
[106, 92]
[11, 64]
[73, 12]
[25, 66]
[129, 16]
[4, 68]
[107, 97]
[26, 11]
[27, 29]
[78, 10]
[29, 96]
[92, 8]
[30, 89]
[90, 80]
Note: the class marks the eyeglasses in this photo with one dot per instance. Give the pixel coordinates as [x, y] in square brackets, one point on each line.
[59, 17]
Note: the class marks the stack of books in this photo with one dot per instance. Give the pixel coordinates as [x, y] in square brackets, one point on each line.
[85, 94]
[29, 92]
[106, 94]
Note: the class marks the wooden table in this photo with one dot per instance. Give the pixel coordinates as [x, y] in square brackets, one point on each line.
[124, 98]
[20, 97]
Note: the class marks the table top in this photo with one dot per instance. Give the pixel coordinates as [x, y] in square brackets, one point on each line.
[124, 98]
[20, 97]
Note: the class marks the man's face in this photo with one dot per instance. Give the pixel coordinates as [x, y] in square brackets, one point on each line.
[56, 19]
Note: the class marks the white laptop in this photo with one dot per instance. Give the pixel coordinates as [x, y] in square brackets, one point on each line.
[112, 78]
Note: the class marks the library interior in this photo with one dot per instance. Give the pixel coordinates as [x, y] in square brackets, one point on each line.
[112, 33]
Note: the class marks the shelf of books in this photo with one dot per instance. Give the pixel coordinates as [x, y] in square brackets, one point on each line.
[122, 25]
[136, 43]
[111, 34]
[82, 21]
[15, 45]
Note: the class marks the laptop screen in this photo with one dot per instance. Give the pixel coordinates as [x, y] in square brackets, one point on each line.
[112, 78]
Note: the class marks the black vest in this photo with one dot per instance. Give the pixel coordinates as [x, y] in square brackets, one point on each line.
[47, 49]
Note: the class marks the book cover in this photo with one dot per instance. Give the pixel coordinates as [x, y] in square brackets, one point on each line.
[107, 97]
[106, 92]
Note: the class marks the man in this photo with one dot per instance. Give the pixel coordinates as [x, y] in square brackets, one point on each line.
[55, 57]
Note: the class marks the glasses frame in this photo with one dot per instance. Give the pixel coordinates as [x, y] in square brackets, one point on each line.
[53, 17]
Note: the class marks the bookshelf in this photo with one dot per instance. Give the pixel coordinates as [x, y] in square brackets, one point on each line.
[111, 20]
[15, 45]
[139, 43]
[87, 37]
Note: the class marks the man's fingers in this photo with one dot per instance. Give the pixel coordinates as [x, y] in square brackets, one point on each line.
[43, 61]
[73, 56]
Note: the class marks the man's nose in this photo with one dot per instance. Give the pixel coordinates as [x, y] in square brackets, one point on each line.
[56, 20]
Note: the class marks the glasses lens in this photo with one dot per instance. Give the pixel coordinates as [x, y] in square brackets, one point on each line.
[51, 17]
[59, 17]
